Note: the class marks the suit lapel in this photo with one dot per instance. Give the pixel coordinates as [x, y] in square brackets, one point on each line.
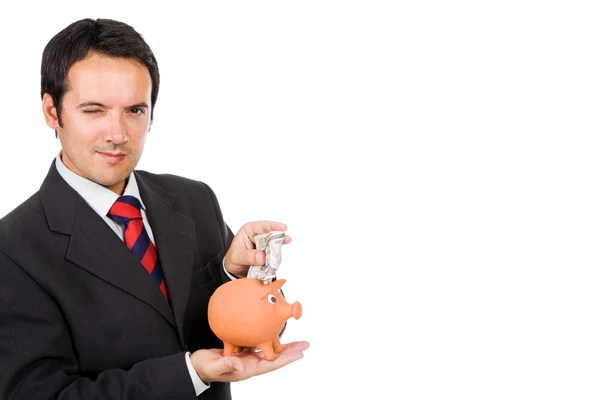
[174, 235]
[94, 247]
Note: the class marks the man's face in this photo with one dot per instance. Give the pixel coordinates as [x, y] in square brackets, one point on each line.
[105, 118]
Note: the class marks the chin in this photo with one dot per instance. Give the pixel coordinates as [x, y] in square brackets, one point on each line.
[112, 180]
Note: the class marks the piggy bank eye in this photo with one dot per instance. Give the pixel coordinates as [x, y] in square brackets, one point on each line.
[272, 299]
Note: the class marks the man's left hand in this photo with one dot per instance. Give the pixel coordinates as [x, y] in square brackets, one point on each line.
[242, 253]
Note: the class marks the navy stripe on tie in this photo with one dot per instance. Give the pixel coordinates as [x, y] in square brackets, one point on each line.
[131, 200]
[120, 220]
[157, 272]
[141, 244]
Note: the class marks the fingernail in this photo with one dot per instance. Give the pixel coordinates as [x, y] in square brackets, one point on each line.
[258, 259]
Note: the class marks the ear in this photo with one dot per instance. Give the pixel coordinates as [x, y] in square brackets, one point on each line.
[278, 283]
[49, 110]
[265, 290]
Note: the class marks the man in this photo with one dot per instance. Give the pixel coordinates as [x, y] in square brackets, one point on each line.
[106, 273]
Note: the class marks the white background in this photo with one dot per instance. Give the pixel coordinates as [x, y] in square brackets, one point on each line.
[436, 163]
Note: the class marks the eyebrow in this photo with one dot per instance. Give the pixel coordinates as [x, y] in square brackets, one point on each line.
[90, 103]
[95, 104]
[139, 105]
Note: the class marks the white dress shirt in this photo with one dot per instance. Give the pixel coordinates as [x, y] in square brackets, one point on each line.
[101, 200]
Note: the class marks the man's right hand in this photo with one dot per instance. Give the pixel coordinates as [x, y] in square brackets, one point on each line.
[212, 366]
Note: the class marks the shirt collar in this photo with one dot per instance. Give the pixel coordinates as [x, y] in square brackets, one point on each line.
[97, 196]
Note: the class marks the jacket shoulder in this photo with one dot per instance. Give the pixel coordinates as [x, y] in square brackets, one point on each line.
[176, 184]
[188, 193]
[20, 223]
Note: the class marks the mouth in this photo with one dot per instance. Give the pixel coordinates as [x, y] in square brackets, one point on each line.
[112, 158]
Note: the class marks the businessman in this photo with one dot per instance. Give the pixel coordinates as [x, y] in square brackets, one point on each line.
[106, 271]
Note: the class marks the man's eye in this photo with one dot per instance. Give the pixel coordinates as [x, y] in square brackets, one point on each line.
[138, 111]
[91, 111]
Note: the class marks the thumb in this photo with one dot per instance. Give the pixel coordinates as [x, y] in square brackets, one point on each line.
[250, 257]
[227, 365]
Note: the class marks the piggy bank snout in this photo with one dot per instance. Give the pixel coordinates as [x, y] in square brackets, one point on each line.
[296, 310]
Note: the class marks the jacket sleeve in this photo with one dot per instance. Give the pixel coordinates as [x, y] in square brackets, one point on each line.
[227, 236]
[38, 361]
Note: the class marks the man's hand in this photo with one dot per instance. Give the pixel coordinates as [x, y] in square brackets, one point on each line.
[242, 253]
[211, 365]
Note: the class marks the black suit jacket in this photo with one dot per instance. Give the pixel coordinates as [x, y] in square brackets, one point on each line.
[80, 318]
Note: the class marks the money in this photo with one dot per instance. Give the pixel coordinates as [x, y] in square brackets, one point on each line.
[271, 244]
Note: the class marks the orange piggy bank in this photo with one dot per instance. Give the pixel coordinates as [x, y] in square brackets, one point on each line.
[249, 313]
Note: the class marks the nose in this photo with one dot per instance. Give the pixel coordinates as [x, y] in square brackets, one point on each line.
[296, 310]
[117, 130]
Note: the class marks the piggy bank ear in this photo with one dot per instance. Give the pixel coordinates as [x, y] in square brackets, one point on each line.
[278, 283]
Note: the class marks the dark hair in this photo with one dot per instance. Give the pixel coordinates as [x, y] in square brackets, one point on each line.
[104, 36]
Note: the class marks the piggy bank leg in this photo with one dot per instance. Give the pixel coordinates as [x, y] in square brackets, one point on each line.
[267, 349]
[277, 346]
[228, 349]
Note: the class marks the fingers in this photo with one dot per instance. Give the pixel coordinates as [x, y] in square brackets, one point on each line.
[296, 346]
[243, 253]
[291, 352]
[249, 257]
[287, 358]
[252, 229]
[255, 257]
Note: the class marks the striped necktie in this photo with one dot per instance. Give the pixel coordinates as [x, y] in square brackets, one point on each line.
[126, 211]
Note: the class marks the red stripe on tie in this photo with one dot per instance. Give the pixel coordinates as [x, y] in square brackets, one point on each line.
[163, 288]
[149, 259]
[125, 210]
[133, 232]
